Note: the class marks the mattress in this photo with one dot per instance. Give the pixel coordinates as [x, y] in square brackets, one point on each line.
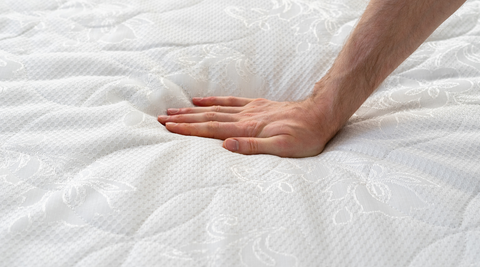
[88, 177]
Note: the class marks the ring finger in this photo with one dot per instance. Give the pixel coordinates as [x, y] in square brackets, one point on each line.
[199, 117]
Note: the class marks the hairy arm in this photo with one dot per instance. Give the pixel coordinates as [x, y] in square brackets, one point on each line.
[387, 33]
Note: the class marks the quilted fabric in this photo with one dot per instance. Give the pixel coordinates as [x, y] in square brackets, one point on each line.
[88, 177]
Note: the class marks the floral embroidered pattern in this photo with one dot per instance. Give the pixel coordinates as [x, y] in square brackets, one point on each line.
[254, 248]
[266, 179]
[377, 190]
[419, 95]
[89, 22]
[470, 56]
[373, 189]
[429, 91]
[315, 21]
[106, 23]
[235, 70]
[69, 196]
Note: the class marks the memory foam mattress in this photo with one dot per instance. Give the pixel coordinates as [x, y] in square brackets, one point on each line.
[88, 177]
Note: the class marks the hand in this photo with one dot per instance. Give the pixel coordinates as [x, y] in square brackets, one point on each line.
[257, 126]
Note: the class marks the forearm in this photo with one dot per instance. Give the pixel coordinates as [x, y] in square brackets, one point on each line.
[388, 32]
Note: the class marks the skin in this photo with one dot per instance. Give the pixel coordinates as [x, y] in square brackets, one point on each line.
[388, 32]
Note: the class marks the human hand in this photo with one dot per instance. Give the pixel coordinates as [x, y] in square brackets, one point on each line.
[257, 126]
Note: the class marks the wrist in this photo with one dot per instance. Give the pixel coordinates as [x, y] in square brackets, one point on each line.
[338, 96]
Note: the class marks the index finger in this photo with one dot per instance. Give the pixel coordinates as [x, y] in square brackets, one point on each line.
[231, 101]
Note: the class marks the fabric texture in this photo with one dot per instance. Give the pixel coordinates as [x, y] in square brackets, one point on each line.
[88, 177]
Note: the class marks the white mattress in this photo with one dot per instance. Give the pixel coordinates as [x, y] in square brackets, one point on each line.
[88, 177]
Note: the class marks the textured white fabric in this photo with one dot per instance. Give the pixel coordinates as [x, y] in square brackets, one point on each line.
[88, 177]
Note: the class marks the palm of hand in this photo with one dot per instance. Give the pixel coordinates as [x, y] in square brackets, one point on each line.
[255, 126]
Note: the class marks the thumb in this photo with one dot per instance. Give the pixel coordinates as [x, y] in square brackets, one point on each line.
[275, 145]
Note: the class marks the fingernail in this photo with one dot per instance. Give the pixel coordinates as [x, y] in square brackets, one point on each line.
[173, 110]
[162, 117]
[171, 124]
[231, 144]
[196, 99]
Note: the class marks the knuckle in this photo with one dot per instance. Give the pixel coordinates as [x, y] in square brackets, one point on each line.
[252, 145]
[185, 126]
[246, 115]
[184, 129]
[297, 109]
[213, 129]
[252, 128]
[176, 118]
[259, 100]
[231, 99]
[210, 115]
[212, 125]
[216, 108]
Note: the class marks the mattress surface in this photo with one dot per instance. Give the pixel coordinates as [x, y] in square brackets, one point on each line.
[88, 177]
